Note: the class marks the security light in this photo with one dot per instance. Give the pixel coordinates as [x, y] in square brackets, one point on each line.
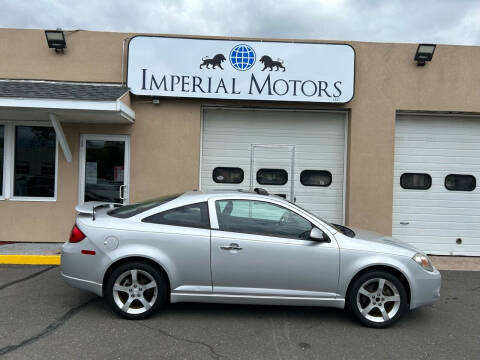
[424, 53]
[56, 40]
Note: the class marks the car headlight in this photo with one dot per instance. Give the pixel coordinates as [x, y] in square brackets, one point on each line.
[423, 261]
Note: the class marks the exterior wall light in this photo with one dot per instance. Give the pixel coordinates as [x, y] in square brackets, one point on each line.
[56, 40]
[424, 53]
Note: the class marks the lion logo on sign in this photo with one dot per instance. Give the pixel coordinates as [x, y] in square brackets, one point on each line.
[216, 61]
[270, 64]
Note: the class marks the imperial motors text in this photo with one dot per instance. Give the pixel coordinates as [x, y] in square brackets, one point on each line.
[265, 85]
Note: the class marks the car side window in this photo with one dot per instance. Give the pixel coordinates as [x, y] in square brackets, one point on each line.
[261, 218]
[193, 215]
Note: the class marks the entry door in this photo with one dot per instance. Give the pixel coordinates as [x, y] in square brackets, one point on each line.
[104, 168]
[272, 169]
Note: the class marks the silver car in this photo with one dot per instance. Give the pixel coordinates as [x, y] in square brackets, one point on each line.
[241, 248]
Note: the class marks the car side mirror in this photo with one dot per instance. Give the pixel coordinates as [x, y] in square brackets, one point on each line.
[318, 235]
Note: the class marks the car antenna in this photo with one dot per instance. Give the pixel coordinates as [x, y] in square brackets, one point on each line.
[261, 191]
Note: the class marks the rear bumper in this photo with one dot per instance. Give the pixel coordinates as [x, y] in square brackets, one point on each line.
[426, 286]
[91, 286]
[82, 271]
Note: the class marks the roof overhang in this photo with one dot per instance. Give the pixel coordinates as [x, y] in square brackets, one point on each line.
[76, 111]
[63, 102]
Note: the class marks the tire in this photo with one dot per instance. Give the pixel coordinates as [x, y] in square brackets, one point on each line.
[138, 299]
[374, 308]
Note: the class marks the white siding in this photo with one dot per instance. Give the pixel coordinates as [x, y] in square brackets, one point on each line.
[318, 139]
[437, 217]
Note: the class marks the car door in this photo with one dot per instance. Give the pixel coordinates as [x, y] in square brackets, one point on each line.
[262, 248]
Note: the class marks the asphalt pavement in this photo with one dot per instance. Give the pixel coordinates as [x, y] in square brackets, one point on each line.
[41, 317]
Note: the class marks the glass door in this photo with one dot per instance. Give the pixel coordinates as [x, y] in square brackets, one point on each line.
[104, 168]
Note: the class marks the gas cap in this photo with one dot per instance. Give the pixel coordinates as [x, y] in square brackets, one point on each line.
[111, 242]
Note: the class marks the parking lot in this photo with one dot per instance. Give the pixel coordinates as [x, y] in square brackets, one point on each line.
[43, 318]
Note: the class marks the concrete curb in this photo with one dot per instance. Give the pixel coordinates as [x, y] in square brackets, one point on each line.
[30, 259]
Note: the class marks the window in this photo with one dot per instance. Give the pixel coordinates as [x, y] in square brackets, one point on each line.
[28, 161]
[316, 178]
[194, 215]
[2, 136]
[35, 150]
[227, 175]
[261, 218]
[455, 182]
[272, 177]
[135, 209]
[415, 181]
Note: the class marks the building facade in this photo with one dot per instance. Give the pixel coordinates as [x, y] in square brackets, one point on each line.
[100, 121]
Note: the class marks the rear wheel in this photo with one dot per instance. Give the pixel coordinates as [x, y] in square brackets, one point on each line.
[377, 299]
[136, 290]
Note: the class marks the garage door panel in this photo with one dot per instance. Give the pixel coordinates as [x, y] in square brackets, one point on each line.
[443, 198]
[318, 140]
[438, 220]
[436, 217]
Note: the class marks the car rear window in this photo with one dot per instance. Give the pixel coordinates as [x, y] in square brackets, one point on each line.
[192, 215]
[137, 208]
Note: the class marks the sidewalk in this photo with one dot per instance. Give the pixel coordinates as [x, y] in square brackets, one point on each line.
[457, 263]
[30, 253]
[49, 254]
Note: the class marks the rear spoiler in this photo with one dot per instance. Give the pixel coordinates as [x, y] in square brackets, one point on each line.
[89, 207]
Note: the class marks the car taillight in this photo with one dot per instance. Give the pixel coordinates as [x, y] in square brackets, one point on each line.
[77, 235]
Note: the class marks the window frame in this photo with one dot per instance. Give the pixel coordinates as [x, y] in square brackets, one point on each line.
[469, 175]
[227, 167]
[316, 221]
[323, 171]
[143, 219]
[82, 161]
[416, 173]
[272, 169]
[9, 162]
[214, 204]
[5, 149]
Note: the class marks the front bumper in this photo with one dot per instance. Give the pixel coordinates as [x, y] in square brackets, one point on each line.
[425, 287]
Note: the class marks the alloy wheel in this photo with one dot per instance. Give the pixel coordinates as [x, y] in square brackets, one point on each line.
[135, 291]
[378, 300]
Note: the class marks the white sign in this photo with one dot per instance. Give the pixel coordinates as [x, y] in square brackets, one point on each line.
[241, 70]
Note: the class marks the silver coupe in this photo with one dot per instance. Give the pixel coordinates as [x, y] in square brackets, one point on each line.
[241, 248]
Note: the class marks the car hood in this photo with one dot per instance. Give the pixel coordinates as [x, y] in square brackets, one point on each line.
[369, 240]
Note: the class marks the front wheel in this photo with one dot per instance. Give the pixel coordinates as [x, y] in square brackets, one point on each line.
[377, 299]
[136, 290]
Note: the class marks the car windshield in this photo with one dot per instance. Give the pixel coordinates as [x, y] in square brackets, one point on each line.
[311, 214]
[343, 229]
[137, 208]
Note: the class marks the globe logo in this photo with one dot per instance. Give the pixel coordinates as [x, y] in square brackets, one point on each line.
[242, 57]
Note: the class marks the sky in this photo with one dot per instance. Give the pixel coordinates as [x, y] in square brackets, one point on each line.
[412, 21]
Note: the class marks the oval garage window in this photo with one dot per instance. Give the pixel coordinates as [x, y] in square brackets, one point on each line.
[455, 182]
[227, 175]
[272, 177]
[415, 181]
[316, 178]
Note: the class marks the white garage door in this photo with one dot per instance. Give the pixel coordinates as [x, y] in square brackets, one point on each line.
[295, 154]
[436, 202]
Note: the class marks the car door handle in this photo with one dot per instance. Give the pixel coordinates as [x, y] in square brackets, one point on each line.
[404, 222]
[232, 246]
